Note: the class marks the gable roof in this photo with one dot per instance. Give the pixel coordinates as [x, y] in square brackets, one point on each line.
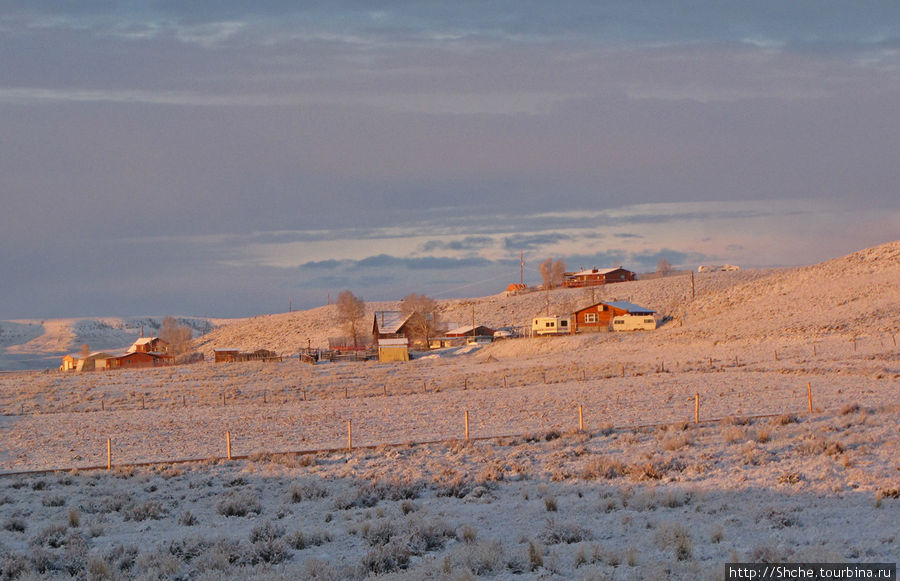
[390, 321]
[630, 308]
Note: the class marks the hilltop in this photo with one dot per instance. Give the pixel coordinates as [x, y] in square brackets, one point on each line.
[851, 296]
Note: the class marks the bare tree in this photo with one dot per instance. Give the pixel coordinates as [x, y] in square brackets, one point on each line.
[558, 272]
[552, 272]
[663, 267]
[351, 311]
[423, 319]
[178, 336]
[85, 350]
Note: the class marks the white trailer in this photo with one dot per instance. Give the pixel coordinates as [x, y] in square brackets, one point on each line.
[634, 323]
[551, 325]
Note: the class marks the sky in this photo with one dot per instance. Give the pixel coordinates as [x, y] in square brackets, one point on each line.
[229, 159]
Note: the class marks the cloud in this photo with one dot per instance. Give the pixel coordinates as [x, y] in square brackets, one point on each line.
[533, 241]
[465, 244]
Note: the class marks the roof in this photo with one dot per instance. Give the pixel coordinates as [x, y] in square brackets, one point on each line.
[467, 330]
[146, 340]
[595, 271]
[629, 307]
[390, 321]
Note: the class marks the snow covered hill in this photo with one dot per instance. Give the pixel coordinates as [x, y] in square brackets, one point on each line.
[36, 344]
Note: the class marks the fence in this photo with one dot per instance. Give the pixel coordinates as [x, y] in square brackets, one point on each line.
[578, 417]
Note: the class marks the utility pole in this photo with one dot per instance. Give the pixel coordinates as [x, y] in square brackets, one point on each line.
[522, 267]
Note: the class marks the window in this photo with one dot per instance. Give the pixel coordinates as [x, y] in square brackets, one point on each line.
[591, 318]
[619, 322]
[549, 324]
[564, 323]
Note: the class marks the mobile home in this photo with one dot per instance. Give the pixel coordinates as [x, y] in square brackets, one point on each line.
[634, 323]
[551, 325]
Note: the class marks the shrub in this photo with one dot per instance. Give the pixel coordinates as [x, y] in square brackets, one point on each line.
[566, 532]
[240, 503]
[784, 420]
[605, 468]
[140, 512]
[379, 533]
[427, 536]
[299, 540]
[673, 535]
[386, 558]
[14, 525]
[467, 534]
[307, 490]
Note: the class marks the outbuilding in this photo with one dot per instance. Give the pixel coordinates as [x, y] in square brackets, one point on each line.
[393, 349]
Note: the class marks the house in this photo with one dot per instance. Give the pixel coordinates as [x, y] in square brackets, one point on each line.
[598, 317]
[396, 349]
[149, 345]
[390, 325]
[139, 359]
[95, 362]
[69, 363]
[596, 277]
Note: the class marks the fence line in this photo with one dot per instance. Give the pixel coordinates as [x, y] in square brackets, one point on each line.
[229, 455]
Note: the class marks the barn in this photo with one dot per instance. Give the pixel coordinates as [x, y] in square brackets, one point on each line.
[597, 276]
[598, 317]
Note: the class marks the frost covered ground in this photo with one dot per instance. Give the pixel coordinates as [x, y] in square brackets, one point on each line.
[643, 492]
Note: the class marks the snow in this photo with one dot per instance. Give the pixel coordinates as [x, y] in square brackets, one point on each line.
[643, 492]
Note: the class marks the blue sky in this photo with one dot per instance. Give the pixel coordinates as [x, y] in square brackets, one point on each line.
[222, 158]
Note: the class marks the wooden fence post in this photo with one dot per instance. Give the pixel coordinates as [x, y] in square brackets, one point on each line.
[467, 424]
[466, 385]
[580, 418]
[696, 408]
[109, 453]
[809, 394]
[349, 436]
[228, 443]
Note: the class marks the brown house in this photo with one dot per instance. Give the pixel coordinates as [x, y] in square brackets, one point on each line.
[149, 345]
[139, 359]
[390, 325]
[596, 277]
[598, 317]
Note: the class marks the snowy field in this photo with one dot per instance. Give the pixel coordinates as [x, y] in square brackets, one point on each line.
[642, 492]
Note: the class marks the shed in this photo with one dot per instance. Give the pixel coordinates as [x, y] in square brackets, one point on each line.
[94, 361]
[393, 349]
[470, 331]
[598, 317]
[226, 355]
[597, 276]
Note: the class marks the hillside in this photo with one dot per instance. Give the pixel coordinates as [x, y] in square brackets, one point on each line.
[36, 344]
[852, 295]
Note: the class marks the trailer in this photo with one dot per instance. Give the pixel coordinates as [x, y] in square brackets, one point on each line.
[551, 325]
[634, 323]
